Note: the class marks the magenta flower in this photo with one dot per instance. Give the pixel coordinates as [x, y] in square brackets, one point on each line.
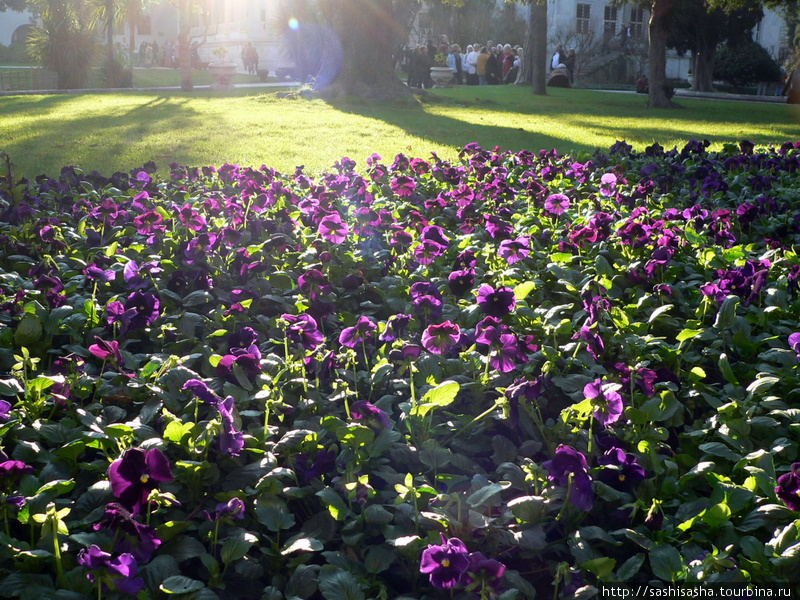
[496, 303]
[445, 564]
[514, 250]
[608, 404]
[569, 465]
[136, 474]
[440, 339]
[788, 488]
[107, 351]
[556, 204]
[314, 283]
[333, 229]
[794, 343]
[427, 250]
[359, 333]
[403, 186]
[608, 184]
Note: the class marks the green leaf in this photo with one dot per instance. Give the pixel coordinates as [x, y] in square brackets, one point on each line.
[522, 290]
[601, 567]
[336, 584]
[630, 567]
[666, 562]
[726, 313]
[302, 544]
[378, 559]
[659, 311]
[688, 334]
[761, 385]
[236, 546]
[178, 584]
[716, 515]
[486, 494]
[273, 513]
[442, 395]
[303, 582]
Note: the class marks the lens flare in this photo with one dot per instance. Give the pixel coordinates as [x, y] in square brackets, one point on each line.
[294, 24]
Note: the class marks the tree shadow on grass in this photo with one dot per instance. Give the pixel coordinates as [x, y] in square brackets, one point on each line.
[98, 141]
[564, 120]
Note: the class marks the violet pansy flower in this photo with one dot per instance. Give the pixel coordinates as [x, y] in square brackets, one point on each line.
[445, 564]
[569, 468]
[136, 474]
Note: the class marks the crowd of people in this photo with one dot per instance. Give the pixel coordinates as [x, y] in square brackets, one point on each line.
[478, 64]
[151, 55]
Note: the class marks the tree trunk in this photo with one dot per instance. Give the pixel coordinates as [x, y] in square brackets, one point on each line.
[538, 27]
[703, 69]
[368, 32]
[659, 29]
[184, 48]
[133, 18]
[525, 75]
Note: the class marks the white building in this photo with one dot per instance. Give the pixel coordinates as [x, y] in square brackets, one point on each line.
[590, 26]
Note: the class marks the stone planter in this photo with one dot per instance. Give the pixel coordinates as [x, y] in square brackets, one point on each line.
[441, 76]
[222, 73]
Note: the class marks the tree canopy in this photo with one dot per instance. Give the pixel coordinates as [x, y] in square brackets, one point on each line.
[18, 5]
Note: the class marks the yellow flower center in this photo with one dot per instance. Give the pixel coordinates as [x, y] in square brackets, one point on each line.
[622, 477]
[446, 563]
[144, 478]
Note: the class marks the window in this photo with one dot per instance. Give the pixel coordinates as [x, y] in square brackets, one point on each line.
[583, 15]
[637, 22]
[610, 22]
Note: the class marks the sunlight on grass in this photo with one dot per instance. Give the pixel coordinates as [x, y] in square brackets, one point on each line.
[120, 131]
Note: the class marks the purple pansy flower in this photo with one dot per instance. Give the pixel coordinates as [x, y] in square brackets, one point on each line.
[314, 283]
[359, 333]
[514, 250]
[608, 184]
[486, 570]
[496, 302]
[460, 282]
[569, 464]
[231, 440]
[246, 365]
[109, 351]
[370, 415]
[620, 468]
[333, 229]
[136, 474]
[794, 343]
[119, 572]
[439, 339]
[788, 488]
[201, 391]
[395, 326]
[304, 330]
[608, 403]
[445, 564]
[130, 536]
[556, 204]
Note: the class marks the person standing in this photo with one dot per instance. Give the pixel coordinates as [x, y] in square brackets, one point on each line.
[569, 63]
[454, 61]
[558, 58]
[471, 64]
[480, 69]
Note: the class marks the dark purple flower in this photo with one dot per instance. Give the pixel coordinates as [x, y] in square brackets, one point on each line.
[303, 330]
[233, 508]
[96, 273]
[119, 572]
[136, 277]
[446, 564]
[434, 233]
[313, 283]
[594, 343]
[427, 308]
[308, 468]
[333, 229]
[569, 465]
[427, 251]
[496, 303]
[486, 570]
[461, 282]
[788, 488]
[11, 471]
[244, 342]
[395, 327]
[608, 403]
[201, 391]
[143, 309]
[5, 408]
[130, 536]
[231, 440]
[370, 415]
[136, 474]
[238, 369]
[403, 186]
[439, 339]
[359, 333]
[620, 468]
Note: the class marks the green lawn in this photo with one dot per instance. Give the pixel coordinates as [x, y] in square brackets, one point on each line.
[120, 131]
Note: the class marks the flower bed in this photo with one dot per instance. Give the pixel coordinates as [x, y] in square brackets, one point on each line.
[505, 375]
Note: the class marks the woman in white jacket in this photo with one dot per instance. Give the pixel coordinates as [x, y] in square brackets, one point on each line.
[471, 64]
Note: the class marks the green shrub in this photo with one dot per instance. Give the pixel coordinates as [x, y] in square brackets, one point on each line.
[14, 54]
[745, 64]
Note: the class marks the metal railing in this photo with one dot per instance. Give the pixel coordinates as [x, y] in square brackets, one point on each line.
[28, 79]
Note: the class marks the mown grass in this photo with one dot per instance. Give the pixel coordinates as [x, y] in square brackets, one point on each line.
[119, 131]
